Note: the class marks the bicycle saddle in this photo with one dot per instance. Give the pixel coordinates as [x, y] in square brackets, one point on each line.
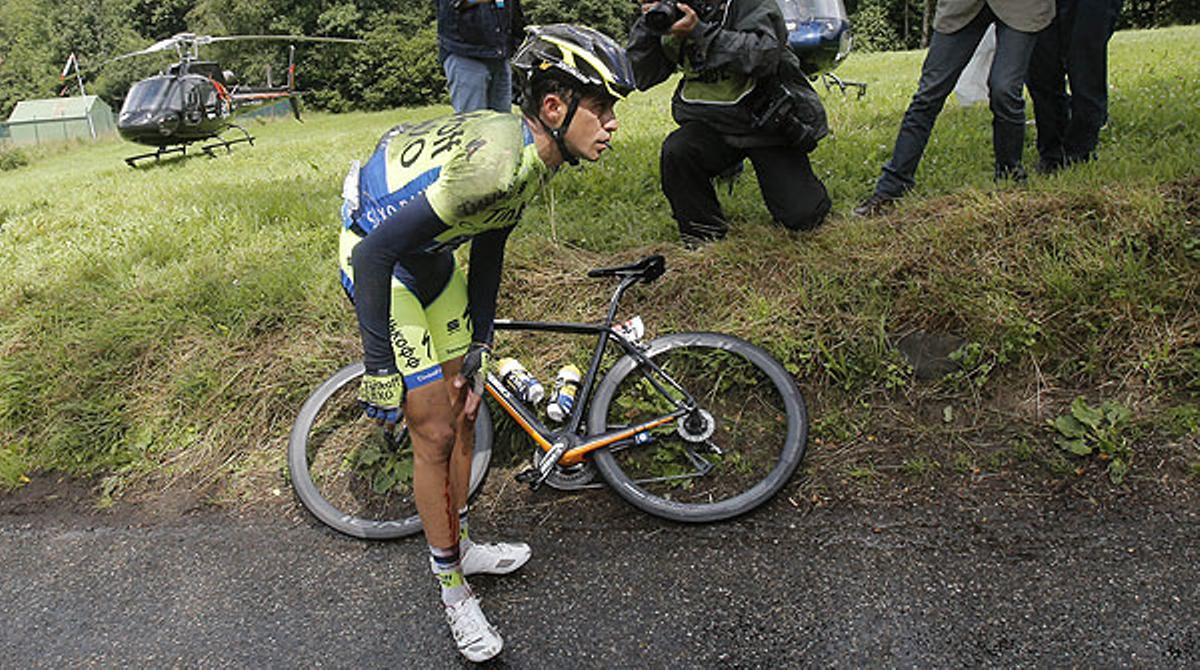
[647, 270]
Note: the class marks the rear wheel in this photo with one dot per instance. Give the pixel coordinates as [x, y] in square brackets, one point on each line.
[732, 454]
[354, 477]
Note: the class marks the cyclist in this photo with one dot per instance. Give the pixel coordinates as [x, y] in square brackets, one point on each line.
[426, 329]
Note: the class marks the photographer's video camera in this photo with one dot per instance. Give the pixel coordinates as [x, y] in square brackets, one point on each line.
[665, 13]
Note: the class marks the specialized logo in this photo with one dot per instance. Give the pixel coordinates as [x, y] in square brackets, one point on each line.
[406, 354]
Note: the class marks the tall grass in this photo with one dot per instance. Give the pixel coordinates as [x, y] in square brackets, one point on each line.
[165, 323]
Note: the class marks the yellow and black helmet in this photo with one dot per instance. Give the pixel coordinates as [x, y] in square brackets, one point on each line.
[587, 56]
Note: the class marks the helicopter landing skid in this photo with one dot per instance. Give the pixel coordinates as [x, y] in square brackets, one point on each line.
[830, 79]
[208, 148]
[180, 149]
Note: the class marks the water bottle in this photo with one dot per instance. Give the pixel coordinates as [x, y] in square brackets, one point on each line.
[566, 388]
[631, 329]
[520, 381]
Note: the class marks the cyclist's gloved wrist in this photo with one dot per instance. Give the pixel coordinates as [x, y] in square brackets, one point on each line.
[475, 364]
[381, 394]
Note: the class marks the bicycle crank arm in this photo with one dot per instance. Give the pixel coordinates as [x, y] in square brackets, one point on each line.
[536, 476]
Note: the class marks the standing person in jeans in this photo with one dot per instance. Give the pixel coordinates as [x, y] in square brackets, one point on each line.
[742, 95]
[1073, 49]
[475, 39]
[958, 26]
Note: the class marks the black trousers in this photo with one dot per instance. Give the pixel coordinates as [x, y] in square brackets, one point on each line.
[1072, 50]
[695, 153]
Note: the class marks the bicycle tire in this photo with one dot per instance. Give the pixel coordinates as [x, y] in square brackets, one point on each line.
[760, 380]
[331, 417]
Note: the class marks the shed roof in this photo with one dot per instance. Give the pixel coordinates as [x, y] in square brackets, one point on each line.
[57, 108]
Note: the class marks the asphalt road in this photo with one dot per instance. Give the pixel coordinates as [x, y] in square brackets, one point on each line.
[1032, 587]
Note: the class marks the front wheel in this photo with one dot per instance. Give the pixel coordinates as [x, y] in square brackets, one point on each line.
[736, 450]
[354, 477]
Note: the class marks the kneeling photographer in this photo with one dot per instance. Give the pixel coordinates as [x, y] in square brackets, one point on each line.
[742, 95]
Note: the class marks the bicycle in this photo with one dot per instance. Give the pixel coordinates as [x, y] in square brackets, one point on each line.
[691, 427]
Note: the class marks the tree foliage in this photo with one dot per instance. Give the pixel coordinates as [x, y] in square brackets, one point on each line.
[397, 66]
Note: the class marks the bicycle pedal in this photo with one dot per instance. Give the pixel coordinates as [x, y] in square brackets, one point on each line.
[529, 476]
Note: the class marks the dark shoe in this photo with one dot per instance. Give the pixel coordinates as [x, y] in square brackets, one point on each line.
[875, 205]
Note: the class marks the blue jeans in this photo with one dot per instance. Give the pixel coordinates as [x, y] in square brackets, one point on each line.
[1073, 49]
[478, 83]
[948, 54]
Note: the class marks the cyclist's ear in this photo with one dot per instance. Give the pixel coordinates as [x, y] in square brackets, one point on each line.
[553, 109]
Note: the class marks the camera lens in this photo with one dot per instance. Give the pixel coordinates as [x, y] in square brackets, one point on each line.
[662, 15]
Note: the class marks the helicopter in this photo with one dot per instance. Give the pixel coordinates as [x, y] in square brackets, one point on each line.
[819, 34]
[196, 100]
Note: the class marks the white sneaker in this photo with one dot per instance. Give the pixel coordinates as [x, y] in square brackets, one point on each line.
[474, 636]
[500, 558]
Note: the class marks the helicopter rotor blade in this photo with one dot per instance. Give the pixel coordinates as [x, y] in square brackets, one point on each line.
[161, 45]
[292, 38]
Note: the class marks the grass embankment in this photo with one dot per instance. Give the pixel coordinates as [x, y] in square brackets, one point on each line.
[161, 326]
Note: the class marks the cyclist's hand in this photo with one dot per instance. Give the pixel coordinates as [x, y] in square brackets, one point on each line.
[380, 397]
[474, 372]
[475, 366]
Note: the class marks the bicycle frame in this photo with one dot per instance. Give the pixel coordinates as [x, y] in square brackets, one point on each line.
[551, 440]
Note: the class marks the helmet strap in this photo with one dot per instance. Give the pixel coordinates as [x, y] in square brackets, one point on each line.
[559, 133]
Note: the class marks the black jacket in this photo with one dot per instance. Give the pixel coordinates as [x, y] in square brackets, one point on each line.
[479, 29]
[735, 63]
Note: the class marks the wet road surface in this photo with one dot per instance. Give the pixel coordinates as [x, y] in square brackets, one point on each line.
[889, 587]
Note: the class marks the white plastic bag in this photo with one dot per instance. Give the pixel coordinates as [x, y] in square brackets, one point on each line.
[972, 83]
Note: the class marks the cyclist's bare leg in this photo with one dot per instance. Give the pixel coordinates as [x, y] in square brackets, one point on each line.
[464, 436]
[432, 424]
[490, 558]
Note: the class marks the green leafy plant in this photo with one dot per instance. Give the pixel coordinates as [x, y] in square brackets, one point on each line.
[387, 467]
[1101, 430]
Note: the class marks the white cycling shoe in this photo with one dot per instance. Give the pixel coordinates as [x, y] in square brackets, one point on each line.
[500, 558]
[476, 639]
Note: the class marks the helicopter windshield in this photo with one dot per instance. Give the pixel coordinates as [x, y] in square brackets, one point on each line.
[151, 94]
[805, 10]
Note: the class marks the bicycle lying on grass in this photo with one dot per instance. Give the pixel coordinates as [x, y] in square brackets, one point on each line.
[692, 427]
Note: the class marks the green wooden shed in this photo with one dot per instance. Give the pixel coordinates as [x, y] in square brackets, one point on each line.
[57, 119]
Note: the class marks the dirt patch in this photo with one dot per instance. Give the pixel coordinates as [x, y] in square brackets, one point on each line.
[51, 496]
[55, 498]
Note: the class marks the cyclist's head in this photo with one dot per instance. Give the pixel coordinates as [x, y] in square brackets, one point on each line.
[572, 62]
